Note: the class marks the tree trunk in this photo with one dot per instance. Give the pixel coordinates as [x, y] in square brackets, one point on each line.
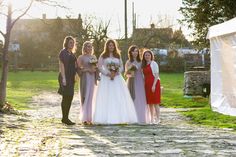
[3, 83]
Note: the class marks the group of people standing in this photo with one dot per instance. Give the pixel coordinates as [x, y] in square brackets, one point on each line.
[105, 96]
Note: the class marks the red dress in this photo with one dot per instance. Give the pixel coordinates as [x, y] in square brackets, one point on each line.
[152, 97]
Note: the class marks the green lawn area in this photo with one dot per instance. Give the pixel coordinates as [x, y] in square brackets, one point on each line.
[202, 114]
[173, 92]
[205, 116]
[22, 86]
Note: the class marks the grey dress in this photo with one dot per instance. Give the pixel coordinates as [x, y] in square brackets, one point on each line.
[87, 84]
[137, 91]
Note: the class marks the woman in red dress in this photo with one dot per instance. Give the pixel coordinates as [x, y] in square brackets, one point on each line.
[152, 84]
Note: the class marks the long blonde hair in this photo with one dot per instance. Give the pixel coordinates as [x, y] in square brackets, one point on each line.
[85, 44]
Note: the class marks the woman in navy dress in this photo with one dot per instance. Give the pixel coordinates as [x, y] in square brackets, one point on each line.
[66, 78]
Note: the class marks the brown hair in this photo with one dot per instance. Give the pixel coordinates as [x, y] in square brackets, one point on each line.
[130, 50]
[66, 42]
[106, 54]
[144, 62]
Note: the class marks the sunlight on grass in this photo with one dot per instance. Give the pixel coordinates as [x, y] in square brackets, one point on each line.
[173, 97]
[21, 86]
[206, 116]
[173, 92]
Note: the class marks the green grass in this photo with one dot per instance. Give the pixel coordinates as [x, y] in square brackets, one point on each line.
[205, 116]
[21, 86]
[202, 114]
[173, 92]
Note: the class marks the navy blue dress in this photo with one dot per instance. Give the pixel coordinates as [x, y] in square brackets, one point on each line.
[69, 61]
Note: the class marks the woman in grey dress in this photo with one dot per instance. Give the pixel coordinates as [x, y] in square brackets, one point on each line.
[87, 67]
[135, 84]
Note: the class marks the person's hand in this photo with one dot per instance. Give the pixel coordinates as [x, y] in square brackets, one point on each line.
[85, 69]
[134, 65]
[153, 88]
[113, 74]
[64, 82]
[92, 70]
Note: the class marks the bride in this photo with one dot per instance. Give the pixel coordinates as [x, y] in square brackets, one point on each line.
[113, 103]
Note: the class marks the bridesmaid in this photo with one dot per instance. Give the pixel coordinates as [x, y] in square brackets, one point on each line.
[66, 77]
[135, 84]
[152, 84]
[87, 67]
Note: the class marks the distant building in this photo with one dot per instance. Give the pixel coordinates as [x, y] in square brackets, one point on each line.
[39, 29]
[152, 37]
[162, 38]
[41, 39]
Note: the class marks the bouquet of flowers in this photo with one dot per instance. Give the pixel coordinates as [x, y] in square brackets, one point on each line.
[93, 61]
[113, 68]
[131, 71]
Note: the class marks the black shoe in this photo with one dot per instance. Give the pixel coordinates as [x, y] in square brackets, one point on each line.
[70, 122]
[67, 122]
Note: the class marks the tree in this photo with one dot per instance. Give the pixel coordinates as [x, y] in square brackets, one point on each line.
[96, 32]
[9, 25]
[99, 35]
[199, 15]
[179, 39]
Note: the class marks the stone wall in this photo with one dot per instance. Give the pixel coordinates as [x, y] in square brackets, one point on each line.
[194, 80]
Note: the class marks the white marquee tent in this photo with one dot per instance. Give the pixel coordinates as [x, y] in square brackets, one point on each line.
[223, 67]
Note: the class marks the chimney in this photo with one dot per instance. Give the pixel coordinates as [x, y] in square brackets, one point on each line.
[44, 16]
[80, 21]
[79, 17]
[152, 26]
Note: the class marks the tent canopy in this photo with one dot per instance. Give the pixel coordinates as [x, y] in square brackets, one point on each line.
[222, 29]
[223, 67]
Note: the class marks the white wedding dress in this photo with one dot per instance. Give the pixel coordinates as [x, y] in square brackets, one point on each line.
[113, 103]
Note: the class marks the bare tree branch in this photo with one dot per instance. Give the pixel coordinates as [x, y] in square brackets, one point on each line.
[45, 2]
[3, 14]
[51, 3]
[26, 10]
[2, 34]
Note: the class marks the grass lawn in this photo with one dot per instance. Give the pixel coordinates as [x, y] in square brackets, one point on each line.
[173, 92]
[202, 114]
[21, 86]
[205, 116]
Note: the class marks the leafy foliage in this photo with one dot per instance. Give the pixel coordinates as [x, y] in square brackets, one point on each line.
[199, 15]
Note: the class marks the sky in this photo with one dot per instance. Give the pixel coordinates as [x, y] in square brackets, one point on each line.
[147, 12]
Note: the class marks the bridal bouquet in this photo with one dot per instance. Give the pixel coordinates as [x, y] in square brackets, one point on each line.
[131, 71]
[93, 61]
[113, 68]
